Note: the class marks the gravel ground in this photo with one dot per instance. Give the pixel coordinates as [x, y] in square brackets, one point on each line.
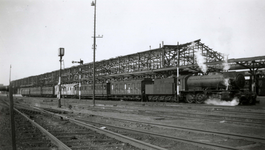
[26, 135]
[5, 132]
[84, 107]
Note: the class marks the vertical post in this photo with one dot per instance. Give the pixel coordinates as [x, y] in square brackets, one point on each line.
[61, 54]
[12, 118]
[60, 88]
[80, 83]
[178, 73]
[162, 65]
[94, 49]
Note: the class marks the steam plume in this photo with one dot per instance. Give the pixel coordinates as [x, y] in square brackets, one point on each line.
[226, 65]
[216, 101]
[200, 59]
[226, 82]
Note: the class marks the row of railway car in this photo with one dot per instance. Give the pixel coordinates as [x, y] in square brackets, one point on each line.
[192, 89]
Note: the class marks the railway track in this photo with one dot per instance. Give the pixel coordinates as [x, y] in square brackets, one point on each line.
[28, 135]
[78, 135]
[238, 119]
[234, 110]
[220, 139]
[211, 114]
[70, 135]
[249, 141]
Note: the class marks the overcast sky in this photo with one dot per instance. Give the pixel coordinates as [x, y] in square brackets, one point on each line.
[31, 31]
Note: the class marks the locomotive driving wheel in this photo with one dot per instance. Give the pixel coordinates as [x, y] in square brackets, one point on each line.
[200, 98]
[190, 98]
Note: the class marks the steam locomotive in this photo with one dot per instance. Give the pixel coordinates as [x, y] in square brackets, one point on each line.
[196, 89]
[192, 89]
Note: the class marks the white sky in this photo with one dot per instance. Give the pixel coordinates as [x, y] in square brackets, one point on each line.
[31, 31]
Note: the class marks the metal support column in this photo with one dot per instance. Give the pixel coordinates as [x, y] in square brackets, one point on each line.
[178, 72]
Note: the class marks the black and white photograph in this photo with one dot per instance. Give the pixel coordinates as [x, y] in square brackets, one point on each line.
[132, 74]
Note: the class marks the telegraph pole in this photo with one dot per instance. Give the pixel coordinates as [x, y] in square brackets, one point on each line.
[94, 50]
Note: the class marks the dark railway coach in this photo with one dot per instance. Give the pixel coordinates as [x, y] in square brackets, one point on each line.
[129, 89]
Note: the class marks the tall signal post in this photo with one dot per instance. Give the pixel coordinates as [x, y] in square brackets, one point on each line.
[60, 54]
[94, 49]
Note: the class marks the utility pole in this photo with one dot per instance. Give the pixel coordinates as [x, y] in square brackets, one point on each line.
[94, 50]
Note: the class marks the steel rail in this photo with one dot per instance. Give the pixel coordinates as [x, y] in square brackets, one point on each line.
[202, 144]
[205, 116]
[122, 137]
[232, 135]
[237, 136]
[53, 139]
[119, 137]
[261, 124]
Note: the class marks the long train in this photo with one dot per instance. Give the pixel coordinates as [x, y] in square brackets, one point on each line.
[192, 89]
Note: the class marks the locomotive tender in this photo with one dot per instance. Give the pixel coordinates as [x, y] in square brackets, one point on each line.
[192, 89]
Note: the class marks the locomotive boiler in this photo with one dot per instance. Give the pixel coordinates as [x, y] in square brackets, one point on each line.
[216, 81]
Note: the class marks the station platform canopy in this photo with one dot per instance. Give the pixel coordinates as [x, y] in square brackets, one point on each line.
[189, 57]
